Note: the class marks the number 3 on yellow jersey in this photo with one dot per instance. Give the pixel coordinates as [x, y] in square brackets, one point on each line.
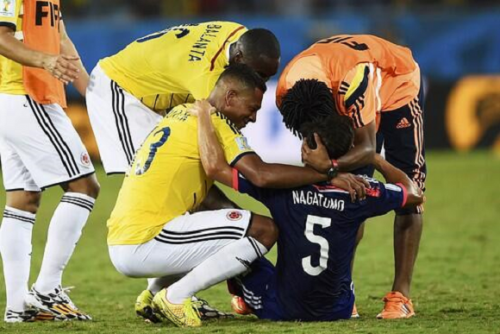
[153, 148]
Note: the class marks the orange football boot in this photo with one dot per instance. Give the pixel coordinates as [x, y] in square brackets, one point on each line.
[239, 306]
[397, 306]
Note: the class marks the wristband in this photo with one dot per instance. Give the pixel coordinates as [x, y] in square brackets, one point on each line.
[333, 171]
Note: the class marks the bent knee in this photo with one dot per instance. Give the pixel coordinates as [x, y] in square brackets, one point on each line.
[28, 201]
[88, 186]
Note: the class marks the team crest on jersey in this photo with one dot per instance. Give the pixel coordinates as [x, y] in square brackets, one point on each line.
[85, 159]
[234, 215]
[7, 8]
[242, 143]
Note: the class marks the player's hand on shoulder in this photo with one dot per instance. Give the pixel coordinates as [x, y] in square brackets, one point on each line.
[62, 67]
[354, 184]
[316, 157]
[201, 106]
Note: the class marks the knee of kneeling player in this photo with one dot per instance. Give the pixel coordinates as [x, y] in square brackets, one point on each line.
[28, 201]
[264, 230]
[87, 185]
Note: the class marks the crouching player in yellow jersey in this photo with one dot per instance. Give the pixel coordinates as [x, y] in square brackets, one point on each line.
[152, 234]
[131, 90]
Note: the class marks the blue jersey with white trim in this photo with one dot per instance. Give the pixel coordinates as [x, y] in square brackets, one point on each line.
[318, 226]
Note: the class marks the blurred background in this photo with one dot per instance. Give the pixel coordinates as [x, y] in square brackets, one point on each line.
[456, 43]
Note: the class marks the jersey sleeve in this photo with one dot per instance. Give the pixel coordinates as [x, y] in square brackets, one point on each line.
[234, 144]
[359, 94]
[9, 12]
[383, 198]
[243, 186]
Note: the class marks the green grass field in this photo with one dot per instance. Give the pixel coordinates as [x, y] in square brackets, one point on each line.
[456, 283]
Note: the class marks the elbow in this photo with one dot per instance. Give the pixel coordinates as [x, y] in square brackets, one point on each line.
[369, 154]
[259, 179]
[211, 171]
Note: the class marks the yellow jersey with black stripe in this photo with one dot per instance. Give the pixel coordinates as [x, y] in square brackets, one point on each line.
[11, 73]
[174, 66]
[167, 178]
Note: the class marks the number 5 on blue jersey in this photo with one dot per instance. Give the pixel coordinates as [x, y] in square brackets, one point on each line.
[153, 148]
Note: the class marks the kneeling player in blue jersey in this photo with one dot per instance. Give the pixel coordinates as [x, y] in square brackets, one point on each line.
[317, 223]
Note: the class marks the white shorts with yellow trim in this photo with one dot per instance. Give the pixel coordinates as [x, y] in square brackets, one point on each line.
[119, 120]
[39, 147]
[183, 244]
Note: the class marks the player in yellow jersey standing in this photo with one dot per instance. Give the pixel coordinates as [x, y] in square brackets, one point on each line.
[152, 234]
[130, 91]
[39, 148]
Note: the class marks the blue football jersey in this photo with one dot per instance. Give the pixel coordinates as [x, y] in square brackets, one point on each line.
[318, 226]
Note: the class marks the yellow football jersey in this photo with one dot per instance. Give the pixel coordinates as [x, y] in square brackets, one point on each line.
[174, 66]
[11, 73]
[167, 178]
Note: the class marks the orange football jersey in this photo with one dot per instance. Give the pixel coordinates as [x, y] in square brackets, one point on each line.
[367, 74]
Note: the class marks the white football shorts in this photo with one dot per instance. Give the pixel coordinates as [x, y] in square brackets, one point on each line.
[119, 120]
[39, 147]
[183, 244]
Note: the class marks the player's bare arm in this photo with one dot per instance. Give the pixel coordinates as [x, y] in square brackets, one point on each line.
[360, 155]
[211, 153]
[277, 175]
[60, 66]
[396, 175]
[68, 49]
[363, 152]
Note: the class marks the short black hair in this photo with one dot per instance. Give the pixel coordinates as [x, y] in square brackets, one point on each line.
[308, 100]
[244, 74]
[260, 42]
[336, 133]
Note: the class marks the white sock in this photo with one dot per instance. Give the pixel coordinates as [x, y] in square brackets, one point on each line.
[230, 261]
[64, 232]
[15, 247]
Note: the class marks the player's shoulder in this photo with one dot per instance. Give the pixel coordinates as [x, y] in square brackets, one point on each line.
[221, 30]
[222, 123]
[304, 66]
[179, 112]
[222, 24]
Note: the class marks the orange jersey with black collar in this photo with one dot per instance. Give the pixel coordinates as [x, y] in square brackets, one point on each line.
[367, 74]
[174, 66]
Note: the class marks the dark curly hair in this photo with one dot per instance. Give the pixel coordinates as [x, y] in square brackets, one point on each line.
[307, 101]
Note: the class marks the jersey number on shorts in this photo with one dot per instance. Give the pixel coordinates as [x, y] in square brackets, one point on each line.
[316, 239]
[153, 148]
[180, 31]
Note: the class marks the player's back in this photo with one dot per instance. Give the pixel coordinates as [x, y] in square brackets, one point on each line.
[329, 60]
[166, 178]
[318, 226]
[174, 66]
